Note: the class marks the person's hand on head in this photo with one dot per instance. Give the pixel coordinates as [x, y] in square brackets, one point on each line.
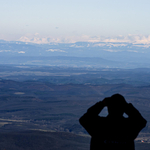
[106, 101]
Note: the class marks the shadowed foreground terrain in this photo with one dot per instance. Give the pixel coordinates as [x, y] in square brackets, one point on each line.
[38, 140]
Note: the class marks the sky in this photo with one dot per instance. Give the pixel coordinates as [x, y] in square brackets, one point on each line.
[44, 21]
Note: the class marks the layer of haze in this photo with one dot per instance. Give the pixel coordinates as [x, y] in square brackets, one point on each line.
[63, 18]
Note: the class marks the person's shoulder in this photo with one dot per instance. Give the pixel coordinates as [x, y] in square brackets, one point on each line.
[101, 118]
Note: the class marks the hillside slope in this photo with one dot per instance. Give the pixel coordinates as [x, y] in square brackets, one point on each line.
[38, 140]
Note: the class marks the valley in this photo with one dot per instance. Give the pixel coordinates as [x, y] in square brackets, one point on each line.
[49, 99]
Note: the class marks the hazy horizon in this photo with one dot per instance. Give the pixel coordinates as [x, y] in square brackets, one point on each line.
[75, 21]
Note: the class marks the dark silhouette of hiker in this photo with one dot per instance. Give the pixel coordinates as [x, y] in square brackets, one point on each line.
[114, 132]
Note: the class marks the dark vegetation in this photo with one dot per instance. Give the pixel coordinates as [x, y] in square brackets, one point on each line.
[37, 140]
[51, 99]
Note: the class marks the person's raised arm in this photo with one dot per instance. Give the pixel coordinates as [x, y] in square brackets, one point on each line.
[88, 120]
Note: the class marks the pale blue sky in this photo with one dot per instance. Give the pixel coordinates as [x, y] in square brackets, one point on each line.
[55, 18]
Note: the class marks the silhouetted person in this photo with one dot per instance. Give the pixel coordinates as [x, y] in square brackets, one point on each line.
[113, 132]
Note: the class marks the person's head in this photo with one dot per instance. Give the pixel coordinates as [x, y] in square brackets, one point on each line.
[116, 105]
